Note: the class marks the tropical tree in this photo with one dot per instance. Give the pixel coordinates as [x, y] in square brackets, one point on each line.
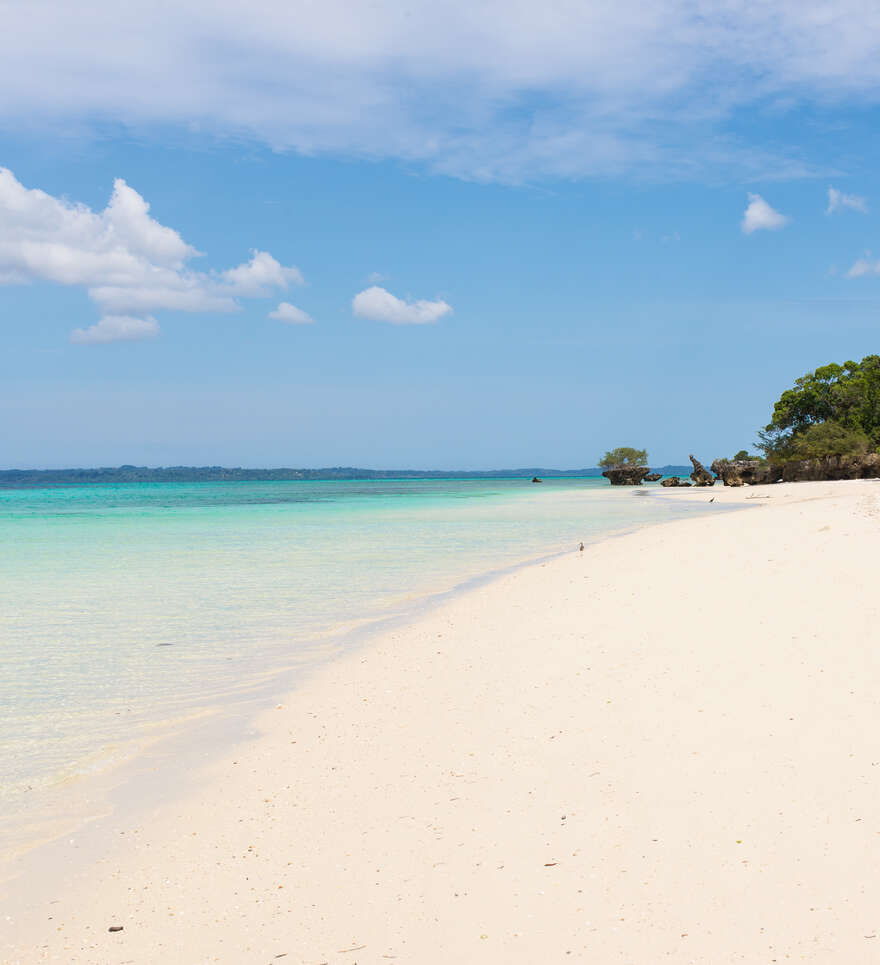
[831, 411]
[623, 456]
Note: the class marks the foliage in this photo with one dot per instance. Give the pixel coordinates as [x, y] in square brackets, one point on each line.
[741, 455]
[832, 411]
[828, 439]
[624, 456]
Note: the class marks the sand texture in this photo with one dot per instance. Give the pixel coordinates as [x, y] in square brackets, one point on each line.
[663, 749]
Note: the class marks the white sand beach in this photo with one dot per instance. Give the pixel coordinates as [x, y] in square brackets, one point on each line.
[664, 748]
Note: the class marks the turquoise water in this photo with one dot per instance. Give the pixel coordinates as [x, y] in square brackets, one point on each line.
[125, 605]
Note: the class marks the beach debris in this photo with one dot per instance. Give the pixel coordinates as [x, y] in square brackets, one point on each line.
[550, 864]
[115, 928]
[356, 948]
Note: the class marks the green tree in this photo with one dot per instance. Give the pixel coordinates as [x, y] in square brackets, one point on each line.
[828, 438]
[843, 398]
[624, 456]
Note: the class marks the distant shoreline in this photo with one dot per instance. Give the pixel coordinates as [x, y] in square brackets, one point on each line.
[22, 478]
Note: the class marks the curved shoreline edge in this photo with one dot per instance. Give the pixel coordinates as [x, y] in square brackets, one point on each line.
[155, 763]
[642, 749]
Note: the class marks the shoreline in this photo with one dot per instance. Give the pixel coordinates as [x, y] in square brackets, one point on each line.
[391, 717]
[91, 805]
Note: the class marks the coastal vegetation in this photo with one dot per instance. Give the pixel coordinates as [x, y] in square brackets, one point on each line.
[623, 456]
[832, 411]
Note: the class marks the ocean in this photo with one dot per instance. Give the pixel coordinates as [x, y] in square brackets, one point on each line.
[125, 608]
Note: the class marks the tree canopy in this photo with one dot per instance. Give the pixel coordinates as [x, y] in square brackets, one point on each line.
[624, 456]
[832, 411]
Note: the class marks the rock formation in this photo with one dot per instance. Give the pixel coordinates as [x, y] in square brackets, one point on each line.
[671, 481]
[866, 466]
[626, 475]
[745, 472]
[653, 477]
[752, 472]
[701, 475]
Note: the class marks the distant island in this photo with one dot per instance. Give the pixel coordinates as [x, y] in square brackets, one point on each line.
[19, 478]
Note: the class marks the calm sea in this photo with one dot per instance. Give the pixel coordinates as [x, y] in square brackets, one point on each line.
[122, 606]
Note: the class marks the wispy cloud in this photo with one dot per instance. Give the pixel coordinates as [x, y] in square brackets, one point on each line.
[864, 266]
[116, 328]
[653, 87]
[129, 263]
[292, 315]
[380, 305]
[759, 216]
[837, 200]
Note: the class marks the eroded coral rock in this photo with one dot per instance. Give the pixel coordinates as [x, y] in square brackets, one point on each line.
[701, 475]
[866, 466]
[626, 475]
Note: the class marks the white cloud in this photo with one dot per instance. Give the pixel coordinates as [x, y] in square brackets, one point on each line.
[261, 274]
[864, 266]
[759, 216]
[380, 305]
[480, 90]
[837, 200]
[286, 312]
[116, 328]
[129, 263]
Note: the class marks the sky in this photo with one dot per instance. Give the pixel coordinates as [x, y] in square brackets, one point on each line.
[416, 235]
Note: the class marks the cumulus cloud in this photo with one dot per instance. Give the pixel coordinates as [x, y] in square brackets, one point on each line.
[129, 263]
[261, 274]
[759, 216]
[653, 86]
[837, 200]
[286, 312]
[380, 305]
[116, 328]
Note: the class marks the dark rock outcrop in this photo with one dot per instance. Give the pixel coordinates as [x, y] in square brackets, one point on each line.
[535, 479]
[671, 481]
[866, 466]
[626, 475]
[653, 476]
[745, 472]
[701, 475]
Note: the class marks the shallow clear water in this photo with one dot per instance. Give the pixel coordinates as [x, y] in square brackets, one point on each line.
[127, 604]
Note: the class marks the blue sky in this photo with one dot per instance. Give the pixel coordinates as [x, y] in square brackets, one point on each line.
[506, 235]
